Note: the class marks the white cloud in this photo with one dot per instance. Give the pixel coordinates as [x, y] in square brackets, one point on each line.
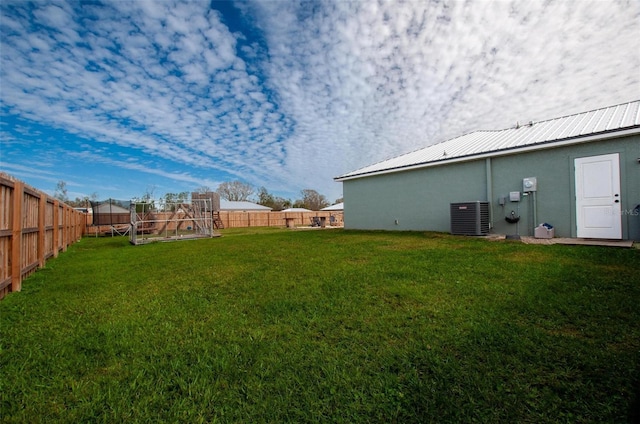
[331, 86]
[369, 81]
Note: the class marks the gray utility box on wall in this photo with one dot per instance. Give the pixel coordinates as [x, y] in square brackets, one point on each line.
[470, 218]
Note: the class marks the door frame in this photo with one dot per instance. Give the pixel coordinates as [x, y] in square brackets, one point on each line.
[616, 210]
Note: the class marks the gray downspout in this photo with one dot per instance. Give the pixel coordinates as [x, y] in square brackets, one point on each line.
[489, 190]
[535, 210]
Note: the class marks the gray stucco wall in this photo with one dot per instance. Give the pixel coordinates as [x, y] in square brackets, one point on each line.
[419, 199]
[416, 200]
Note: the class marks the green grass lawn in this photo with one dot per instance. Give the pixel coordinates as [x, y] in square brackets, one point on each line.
[271, 325]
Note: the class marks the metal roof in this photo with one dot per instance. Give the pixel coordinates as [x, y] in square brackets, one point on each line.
[572, 129]
[336, 207]
[296, 210]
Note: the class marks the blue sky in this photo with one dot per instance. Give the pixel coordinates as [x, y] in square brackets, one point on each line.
[123, 97]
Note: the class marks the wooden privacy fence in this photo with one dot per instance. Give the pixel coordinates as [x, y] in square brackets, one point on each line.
[33, 228]
[240, 219]
[233, 219]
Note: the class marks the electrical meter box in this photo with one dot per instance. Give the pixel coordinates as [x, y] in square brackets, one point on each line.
[530, 184]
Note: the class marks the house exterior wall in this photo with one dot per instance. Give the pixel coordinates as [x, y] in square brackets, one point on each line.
[419, 199]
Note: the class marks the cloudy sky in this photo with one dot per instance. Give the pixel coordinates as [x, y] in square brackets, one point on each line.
[123, 97]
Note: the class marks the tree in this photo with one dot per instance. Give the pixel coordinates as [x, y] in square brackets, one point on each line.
[84, 201]
[147, 199]
[281, 203]
[61, 192]
[171, 199]
[313, 200]
[176, 197]
[235, 191]
[274, 202]
[264, 197]
[203, 190]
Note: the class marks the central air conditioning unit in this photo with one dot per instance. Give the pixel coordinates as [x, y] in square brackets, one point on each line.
[470, 218]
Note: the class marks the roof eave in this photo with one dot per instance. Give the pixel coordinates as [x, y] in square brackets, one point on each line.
[503, 152]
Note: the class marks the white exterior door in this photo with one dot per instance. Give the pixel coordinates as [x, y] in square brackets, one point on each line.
[598, 206]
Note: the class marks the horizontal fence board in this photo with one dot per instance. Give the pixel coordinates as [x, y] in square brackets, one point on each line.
[4, 284]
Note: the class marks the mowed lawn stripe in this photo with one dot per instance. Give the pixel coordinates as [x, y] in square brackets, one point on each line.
[272, 325]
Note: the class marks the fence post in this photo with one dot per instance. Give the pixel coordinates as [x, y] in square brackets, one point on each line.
[56, 228]
[42, 207]
[65, 227]
[16, 237]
